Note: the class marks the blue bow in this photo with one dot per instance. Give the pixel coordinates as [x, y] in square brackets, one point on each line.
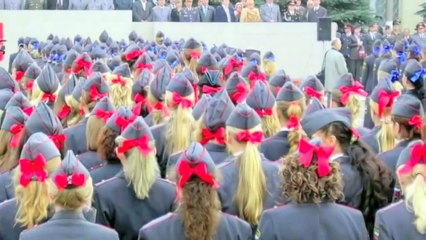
[63, 57]
[395, 75]
[376, 51]
[54, 57]
[153, 49]
[35, 45]
[402, 56]
[417, 75]
[114, 53]
[417, 51]
[123, 46]
[162, 55]
[240, 57]
[174, 63]
[254, 61]
[387, 48]
[270, 58]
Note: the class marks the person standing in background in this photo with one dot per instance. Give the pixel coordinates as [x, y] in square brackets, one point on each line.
[189, 13]
[224, 12]
[12, 4]
[176, 12]
[206, 11]
[78, 4]
[316, 12]
[301, 10]
[161, 13]
[250, 13]
[270, 12]
[334, 64]
[142, 11]
[58, 4]
[345, 39]
[100, 5]
[35, 4]
[123, 4]
[369, 38]
[355, 56]
[291, 15]
[420, 36]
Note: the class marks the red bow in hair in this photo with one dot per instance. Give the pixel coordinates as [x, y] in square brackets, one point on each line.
[63, 181]
[253, 77]
[194, 54]
[141, 66]
[65, 112]
[68, 70]
[48, 97]
[158, 106]
[32, 170]
[233, 63]
[312, 92]
[293, 122]
[386, 100]
[277, 90]
[119, 80]
[17, 131]
[94, 93]
[123, 122]
[139, 98]
[133, 54]
[58, 140]
[179, 100]
[142, 143]
[218, 135]
[104, 115]
[416, 121]
[346, 91]
[240, 93]
[306, 155]
[264, 112]
[418, 155]
[355, 133]
[204, 69]
[247, 136]
[186, 171]
[195, 87]
[30, 85]
[211, 90]
[19, 75]
[81, 64]
[140, 101]
[28, 110]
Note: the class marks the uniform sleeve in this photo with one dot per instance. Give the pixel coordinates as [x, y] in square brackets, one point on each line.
[265, 230]
[100, 213]
[380, 231]
[262, 14]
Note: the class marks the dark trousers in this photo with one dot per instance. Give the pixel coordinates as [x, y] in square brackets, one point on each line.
[355, 67]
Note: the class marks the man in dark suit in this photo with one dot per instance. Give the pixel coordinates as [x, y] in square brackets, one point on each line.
[206, 11]
[123, 4]
[316, 12]
[142, 11]
[224, 12]
[356, 45]
[370, 37]
[57, 4]
[388, 35]
[345, 38]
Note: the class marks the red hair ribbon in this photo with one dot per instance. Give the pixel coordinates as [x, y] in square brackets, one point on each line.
[64, 112]
[19, 75]
[277, 90]
[141, 143]
[306, 155]
[195, 87]
[140, 100]
[58, 140]
[210, 90]
[30, 84]
[254, 77]
[81, 64]
[17, 131]
[179, 100]
[104, 115]
[194, 54]
[293, 122]
[32, 170]
[247, 136]
[62, 181]
[218, 135]
[82, 111]
[204, 69]
[264, 112]
[386, 99]
[416, 121]
[94, 93]
[311, 92]
[133, 54]
[48, 97]
[240, 93]
[158, 106]
[232, 64]
[418, 155]
[123, 122]
[186, 171]
[346, 91]
[28, 110]
[68, 70]
[355, 133]
[141, 66]
[119, 80]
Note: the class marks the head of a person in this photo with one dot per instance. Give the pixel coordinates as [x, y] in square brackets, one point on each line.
[420, 28]
[161, 2]
[356, 29]
[348, 28]
[298, 3]
[225, 2]
[372, 27]
[407, 117]
[388, 30]
[250, 3]
[205, 2]
[178, 4]
[406, 32]
[291, 5]
[269, 1]
[310, 3]
[188, 3]
[336, 44]
[316, 3]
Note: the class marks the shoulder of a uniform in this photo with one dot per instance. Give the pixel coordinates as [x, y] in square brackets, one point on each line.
[175, 154]
[105, 182]
[274, 209]
[224, 164]
[349, 209]
[390, 207]
[166, 181]
[7, 202]
[158, 220]
[158, 126]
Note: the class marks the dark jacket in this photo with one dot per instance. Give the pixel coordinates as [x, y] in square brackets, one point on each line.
[275, 147]
[53, 5]
[175, 16]
[7, 191]
[90, 160]
[106, 171]
[313, 16]
[140, 14]
[367, 77]
[123, 4]
[76, 137]
[220, 15]
[346, 41]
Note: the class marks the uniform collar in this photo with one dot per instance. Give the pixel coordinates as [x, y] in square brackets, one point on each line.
[68, 214]
[334, 157]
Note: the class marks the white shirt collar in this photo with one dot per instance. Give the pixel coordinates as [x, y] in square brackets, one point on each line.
[336, 156]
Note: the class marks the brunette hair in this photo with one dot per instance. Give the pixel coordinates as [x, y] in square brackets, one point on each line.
[411, 132]
[106, 144]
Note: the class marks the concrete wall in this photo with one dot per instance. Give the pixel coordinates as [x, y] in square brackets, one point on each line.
[294, 44]
[407, 11]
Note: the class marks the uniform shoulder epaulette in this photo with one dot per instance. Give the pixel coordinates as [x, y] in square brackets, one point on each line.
[175, 154]
[159, 220]
[96, 167]
[105, 181]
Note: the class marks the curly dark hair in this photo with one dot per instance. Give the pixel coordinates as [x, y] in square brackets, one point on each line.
[375, 177]
[303, 185]
[106, 144]
[199, 209]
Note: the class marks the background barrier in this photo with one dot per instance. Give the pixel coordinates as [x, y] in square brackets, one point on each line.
[295, 45]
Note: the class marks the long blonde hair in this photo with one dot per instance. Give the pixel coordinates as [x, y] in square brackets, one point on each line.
[140, 171]
[33, 200]
[354, 104]
[72, 199]
[158, 115]
[270, 124]
[386, 136]
[415, 198]
[251, 188]
[93, 128]
[121, 95]
[269, 67]
[75, 115]
[9, 156]
[191, 62]
[179, 126]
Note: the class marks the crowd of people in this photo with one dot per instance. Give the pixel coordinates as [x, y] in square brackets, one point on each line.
[186, 11]
[174, 139]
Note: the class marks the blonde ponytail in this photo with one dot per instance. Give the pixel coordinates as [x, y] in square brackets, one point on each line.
[354, 105]
[296, 109]
[157, 114]
[415, 200]
[93, 128]
[72, 199]
[269, 67]
[270, 124]
[386, 136]
[121, 95]
[75, 115]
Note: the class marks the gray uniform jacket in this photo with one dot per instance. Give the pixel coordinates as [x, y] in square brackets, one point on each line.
[78, 4]
[325, 221]
[161, 14]
[190, 15]
[100, 5]
[270, 14]
[68, 225]
[335, 66]
[7, 191]
[206, 13]
[12, 4]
